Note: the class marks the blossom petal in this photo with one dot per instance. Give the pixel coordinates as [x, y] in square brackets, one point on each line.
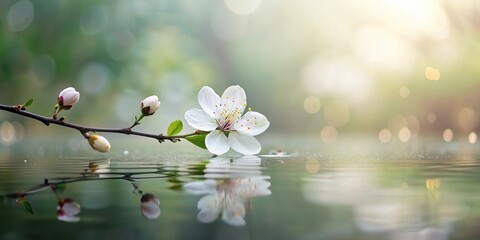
[244, 144]
[70, 98]
[201, 187]
[66, 90]
[207, 215]
[217, 142]
[233, 100]
[208, 100]
[234, 213]
[252, 124]
[209, 202]
[198, 119]
[209, 208]
[233, 220]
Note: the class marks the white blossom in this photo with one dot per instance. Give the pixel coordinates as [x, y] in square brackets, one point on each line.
[222, 117]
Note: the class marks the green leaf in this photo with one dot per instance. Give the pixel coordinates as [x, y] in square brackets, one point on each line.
[175, 128]
[176, 187]
[198, 140]
[28, 103]
[26, 204]
[60, 187]
[173, 180]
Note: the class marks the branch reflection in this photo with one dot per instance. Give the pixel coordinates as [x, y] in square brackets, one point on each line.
[68, 210]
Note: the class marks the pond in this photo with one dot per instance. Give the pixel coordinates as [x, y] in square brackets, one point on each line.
[350, 190]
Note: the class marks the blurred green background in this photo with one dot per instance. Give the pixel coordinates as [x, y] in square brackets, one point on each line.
[395, 70]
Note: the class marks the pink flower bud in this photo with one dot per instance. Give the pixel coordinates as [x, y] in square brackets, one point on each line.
[67, 210]
[150, 206]
[68, 97]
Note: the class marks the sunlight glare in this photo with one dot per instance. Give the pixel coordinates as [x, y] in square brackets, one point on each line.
[340, 77]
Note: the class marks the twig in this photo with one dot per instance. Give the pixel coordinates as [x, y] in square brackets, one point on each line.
[84, 129]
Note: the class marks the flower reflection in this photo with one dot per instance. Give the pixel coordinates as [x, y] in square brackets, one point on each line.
[227, 168]
[150, 206]
[67, 210]
[229, 194]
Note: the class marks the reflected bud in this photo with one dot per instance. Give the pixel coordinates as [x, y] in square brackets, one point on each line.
[149, 105]
[99, 143]
[67, 210]
[150, 206]
[68, 97]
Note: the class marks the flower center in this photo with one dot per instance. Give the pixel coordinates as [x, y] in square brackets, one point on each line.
[227, 117]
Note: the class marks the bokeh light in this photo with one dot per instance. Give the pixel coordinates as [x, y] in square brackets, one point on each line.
[432, 74]
[448, 135]
[329, 134]
[311, 104]
[20, 15]
[431, 117]
[404, 134]
[7, 133]
[472, 137]
[385, 135]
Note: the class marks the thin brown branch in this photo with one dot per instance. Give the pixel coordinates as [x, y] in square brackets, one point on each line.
[84, 129]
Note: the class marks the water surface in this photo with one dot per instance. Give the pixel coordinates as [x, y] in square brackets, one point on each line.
[332, 193]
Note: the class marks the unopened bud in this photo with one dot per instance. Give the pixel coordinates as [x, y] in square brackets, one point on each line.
[68, 97]
[149, 105]
[150, 206]
[99, 143]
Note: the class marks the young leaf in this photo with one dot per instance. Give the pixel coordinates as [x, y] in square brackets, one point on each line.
[198, 140]
[28, 103]
[26, 204]
[175, 128]
[60, 187]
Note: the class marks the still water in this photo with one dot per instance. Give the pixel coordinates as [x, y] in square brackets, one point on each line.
[333, 192]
